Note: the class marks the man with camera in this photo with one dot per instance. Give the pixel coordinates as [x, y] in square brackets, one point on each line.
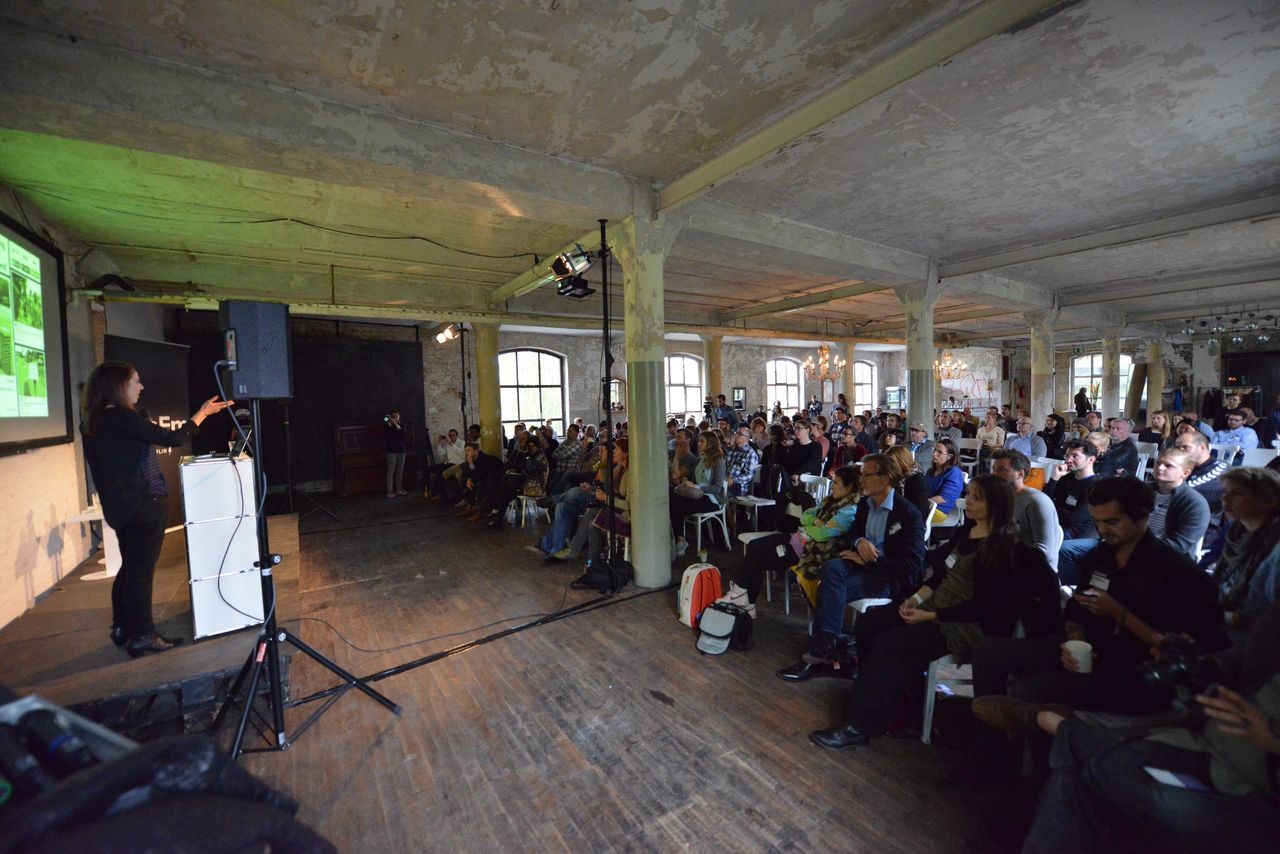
[1207, 783]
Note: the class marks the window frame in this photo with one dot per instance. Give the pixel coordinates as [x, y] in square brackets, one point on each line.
[858, 404]
[559, 423]
[771, 388]
[685, 387]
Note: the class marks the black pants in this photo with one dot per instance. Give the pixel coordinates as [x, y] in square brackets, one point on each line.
[140, 542]
[682, 507]
[895, 663]
[762, 557]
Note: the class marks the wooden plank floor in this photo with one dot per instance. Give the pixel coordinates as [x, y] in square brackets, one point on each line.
[604, 731]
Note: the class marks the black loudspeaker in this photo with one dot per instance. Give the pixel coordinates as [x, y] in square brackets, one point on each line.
[257, 340]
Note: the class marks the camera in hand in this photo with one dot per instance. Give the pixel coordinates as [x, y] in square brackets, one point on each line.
[1182, 662]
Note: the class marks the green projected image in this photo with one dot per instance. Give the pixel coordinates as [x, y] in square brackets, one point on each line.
[24, 390]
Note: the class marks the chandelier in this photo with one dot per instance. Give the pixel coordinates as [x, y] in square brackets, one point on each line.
[949, 367]
[825, 368]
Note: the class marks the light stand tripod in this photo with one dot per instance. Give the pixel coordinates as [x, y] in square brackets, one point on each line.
[286, 499]
[266, 653]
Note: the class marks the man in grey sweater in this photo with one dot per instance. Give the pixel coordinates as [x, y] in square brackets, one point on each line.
[1033, 511]
[1181, 515]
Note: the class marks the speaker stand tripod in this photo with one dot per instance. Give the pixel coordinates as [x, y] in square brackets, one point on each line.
[266, 655]
[285, 504]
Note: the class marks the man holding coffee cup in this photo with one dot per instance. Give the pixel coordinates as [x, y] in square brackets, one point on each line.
[1136, 589]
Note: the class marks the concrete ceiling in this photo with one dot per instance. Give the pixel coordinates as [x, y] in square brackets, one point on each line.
[417, 157]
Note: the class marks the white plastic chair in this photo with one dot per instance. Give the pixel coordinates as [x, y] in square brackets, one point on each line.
[523, 504]
[1258, 457]
[931, 692]
[700, 519]
[753, 503]
[1147, 449]
[967, 453]
[1226, 453]
[1141, 472]
[816, 485]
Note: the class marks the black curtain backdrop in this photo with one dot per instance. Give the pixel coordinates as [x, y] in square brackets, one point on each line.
[162, 368]
[336, 381]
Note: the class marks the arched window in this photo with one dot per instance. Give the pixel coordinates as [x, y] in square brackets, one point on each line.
[1086, 371]
[684, 385]
[531, 384]
[782, 383]
[864, 386]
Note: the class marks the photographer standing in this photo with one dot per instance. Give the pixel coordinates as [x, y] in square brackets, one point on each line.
[394, 436]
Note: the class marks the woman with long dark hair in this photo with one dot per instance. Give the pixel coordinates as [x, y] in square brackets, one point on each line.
[1054, 435]
[117, 445]
[703, 493]
[982, 582]
[946, 478]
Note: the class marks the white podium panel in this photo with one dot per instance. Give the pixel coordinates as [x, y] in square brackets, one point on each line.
[217, 488]
[219, 503]
[207, 543]
[209, 603]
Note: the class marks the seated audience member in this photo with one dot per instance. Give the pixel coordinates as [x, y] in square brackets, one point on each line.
[1121, 456]
[598, 530]
[858, 424]
[527, 464]
[672, 426]
[1236, 433]
[568, 461]
[1070, 499]
[884, 560]
[477, 472]
[450, 454]
[571, 506]
[1008, 420]
[1093, 421]
[803, 456]
[946, 429]
[725, 411]
[991, 434]
[946, 478]
[913, 485]
[983, 583]
[760, 435]
[1205, 478]
[1265, 428]
[1246, 573]
[1181, 515]
[839, 424]
[967, 423]
[741, 462]
[1230, 402]
[1231, 751]
[1158, 429]
[920, 445]
[1135, 590]
[1034, 515]
[823, 527]
[848, 451]
[1029, 444]
[772, 455]
[819, 434]
[888, 438]
[1054, 435]
[702, 493]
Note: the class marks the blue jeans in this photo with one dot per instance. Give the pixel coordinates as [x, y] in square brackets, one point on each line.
[1069, 557]
[568, 510]
[1096, 778]
[842, 582]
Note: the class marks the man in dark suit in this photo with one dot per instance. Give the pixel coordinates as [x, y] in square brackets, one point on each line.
[885, 559]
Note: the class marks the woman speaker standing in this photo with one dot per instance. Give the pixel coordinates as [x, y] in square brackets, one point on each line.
[118, 442]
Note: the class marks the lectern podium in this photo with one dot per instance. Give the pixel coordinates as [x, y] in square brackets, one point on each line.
[220, 508]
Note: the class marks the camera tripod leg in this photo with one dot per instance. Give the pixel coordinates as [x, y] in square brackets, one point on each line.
[255, 674]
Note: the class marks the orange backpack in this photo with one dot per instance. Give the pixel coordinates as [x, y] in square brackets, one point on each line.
[699, 588]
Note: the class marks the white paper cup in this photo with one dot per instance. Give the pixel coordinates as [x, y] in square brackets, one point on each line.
[1082, 652]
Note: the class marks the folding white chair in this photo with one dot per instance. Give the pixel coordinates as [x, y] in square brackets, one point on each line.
[1226, 453]
[700, 519]
[931, 691]
[816, 485]
[1258, 457]
[967, 454]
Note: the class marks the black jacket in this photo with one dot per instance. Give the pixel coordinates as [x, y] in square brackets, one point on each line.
[121, 437]
[1070, 498]
[1121, 458]
[901, 561]
[1026, 592]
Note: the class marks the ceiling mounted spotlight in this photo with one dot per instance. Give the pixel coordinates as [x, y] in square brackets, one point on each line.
[1264, 338]
[570, 263]
[1251, 326]
[574, 287]
[1237, 339]
[449, 333]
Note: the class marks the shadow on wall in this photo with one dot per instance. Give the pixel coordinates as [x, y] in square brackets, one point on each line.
[55, 542]
[24, 568]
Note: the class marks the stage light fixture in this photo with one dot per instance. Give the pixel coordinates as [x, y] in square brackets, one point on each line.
[571, 264]
[574, 287]
[449, 333]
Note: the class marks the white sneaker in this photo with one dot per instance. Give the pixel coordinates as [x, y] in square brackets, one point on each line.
[682, 546]
[738, 596]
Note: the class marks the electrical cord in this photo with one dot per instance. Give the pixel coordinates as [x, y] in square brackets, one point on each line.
[273, 220]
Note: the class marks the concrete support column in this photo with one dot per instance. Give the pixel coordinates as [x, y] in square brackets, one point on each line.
[1064, 387]
[1133, 399]
[641, 245]
[1155, 376]
[1042, 367]
[488, 397]
[713, 356]
[846, 382]
[918, 300]
[1109, 397]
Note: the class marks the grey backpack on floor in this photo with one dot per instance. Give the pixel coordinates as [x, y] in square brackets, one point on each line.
[724, 626]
